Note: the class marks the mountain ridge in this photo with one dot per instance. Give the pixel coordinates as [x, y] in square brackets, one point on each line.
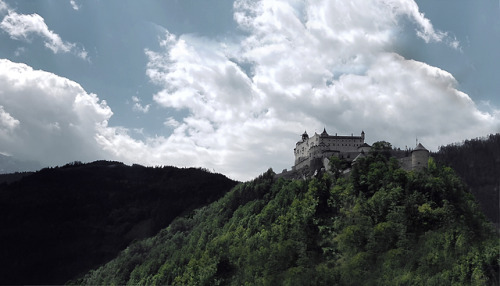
[59, 222]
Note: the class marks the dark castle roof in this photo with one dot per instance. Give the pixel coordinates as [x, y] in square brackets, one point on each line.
[324, 134]
[420, 147]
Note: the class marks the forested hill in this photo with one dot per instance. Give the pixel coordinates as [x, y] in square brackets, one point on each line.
[380, 226]
[60, 222]
[477, 161]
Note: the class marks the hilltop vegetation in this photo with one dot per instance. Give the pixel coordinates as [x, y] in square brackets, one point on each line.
[380, 226]
[60, 222]
[477, 161]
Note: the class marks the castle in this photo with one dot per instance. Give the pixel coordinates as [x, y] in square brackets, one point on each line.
[418, 159]
[312, 153]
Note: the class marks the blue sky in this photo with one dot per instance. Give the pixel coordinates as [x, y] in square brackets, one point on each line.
[231, 85]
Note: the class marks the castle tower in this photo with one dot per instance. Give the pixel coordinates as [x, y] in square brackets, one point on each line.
[363, 135]
[305, 137]
[324, 133]
[419, 157]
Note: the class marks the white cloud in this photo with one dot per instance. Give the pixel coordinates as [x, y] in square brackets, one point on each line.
[48, 118]
[425, 30]
[3, 7]
[306, 65]
[74, 5]
[23, 27]
[19, 51]
[138, 106]
[7, 122]
[82, 53]
[171, 122]
[314, 64]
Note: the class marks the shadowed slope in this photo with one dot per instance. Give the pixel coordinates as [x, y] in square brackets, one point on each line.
[59, 222]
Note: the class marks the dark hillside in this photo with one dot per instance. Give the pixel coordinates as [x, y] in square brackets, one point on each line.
[59, 222]
[12, 177]
[477, 161]
[381, 226]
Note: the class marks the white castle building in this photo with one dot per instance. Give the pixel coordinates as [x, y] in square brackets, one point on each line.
[314, 152]
[323, 145]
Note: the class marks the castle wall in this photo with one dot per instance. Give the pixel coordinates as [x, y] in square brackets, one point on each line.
[349, 156]
[419, 159]
[311, 152]
[405, 163]
[301, 164]
[324, 145]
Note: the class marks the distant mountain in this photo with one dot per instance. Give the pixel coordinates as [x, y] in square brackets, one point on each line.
[381, 225]
[477, 161]
[9, 164]
[59, 222]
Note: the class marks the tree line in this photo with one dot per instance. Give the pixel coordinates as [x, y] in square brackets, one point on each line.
[381, 225]
[60, 222]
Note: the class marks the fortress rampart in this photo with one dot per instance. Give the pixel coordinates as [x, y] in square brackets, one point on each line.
[311, 152]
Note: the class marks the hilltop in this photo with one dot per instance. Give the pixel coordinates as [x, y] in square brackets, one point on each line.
[59, 222]
[381, 225]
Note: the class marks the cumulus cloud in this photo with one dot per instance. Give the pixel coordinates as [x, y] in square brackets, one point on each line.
[23, 27]
[325, 63]
[7, 122]
[48, 118]
[300, 65]
[425, 28]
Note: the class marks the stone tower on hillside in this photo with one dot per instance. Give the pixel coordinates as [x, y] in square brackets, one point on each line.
[419, 157]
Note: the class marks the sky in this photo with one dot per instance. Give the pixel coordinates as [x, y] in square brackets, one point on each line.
[231, 85]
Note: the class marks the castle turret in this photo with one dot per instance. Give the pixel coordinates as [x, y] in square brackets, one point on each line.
[363, 135]
[305, 136]
[324, 134]
[419, 157]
